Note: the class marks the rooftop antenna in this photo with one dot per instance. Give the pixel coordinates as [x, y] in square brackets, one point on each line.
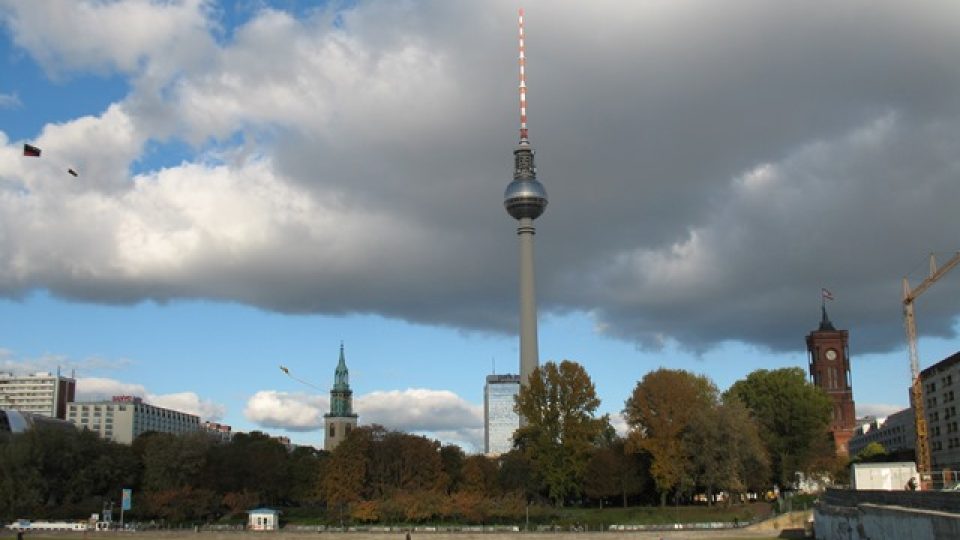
[523, 83]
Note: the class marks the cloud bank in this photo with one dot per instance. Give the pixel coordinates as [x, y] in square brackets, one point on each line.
[710, 166]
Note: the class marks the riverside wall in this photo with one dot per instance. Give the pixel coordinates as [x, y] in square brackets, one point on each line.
[887, 515]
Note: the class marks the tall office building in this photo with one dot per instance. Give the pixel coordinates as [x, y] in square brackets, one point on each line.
[124, 418]
[941, 392]
[41, 393]
[525, 200]
[341, 419]
[500, 421]
[830, 370]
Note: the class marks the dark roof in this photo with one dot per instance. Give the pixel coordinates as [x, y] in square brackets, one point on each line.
[941, 365]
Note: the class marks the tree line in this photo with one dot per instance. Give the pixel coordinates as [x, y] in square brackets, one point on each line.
[684, 438]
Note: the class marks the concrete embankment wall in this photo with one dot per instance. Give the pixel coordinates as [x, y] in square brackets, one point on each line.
[889, 515]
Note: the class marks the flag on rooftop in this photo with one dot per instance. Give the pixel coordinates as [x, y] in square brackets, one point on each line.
[825, 294]
[30, 150]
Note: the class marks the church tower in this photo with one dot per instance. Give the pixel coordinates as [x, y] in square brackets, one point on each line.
[341, 419]
[830, 370]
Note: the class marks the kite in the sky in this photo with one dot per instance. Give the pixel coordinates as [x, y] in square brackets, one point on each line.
[32, 151]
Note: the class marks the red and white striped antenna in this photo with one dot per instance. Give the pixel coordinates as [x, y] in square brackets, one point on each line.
[523, 84]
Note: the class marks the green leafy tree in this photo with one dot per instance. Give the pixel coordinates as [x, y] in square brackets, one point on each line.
[400, 461]
[871, 453]
[451, 461]
[479, 476]
[181, 504]
[60, 473]
[793, 416]
[305, 466]
[558, 403]
[612, 472]
[515, 474]
[345, 478]
[659, 411]
[724, 450]
[174, 461]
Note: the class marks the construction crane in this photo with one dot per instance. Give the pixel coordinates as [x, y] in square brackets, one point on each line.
[916, 389]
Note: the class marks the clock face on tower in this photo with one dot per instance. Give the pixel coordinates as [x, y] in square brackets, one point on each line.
[831, 354]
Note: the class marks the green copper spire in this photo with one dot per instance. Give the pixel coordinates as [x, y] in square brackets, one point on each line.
[341, 397]
[341, 378]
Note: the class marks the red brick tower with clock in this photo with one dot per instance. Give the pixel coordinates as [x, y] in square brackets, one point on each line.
[830, 371]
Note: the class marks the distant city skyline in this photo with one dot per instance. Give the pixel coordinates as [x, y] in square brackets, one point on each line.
[259, 181]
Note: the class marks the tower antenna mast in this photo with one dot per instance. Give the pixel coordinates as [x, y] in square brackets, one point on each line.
[522, 61]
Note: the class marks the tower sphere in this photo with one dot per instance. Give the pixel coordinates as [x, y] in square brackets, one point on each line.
[525, 198]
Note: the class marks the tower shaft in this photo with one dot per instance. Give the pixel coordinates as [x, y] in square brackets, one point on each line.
[529, 355]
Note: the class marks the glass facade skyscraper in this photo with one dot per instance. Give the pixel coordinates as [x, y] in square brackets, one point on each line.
[500, 421]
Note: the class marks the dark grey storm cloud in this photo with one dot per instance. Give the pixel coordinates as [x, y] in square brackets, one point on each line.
[710, 165]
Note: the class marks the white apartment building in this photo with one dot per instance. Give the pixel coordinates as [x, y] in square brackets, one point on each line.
[895, 432]
[41, 393]
[124, 418]
[941, 397]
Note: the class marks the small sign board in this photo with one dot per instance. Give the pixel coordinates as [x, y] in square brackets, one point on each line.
[126, 499]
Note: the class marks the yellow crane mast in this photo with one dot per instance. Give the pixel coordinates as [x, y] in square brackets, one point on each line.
[916, 390]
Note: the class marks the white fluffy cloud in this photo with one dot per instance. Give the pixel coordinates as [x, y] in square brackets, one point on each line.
[294, 412]
[435, 413]
[419, 409]
[619, 423]
[106, 35]
[877, 409]
[706, 179]
[98, 389]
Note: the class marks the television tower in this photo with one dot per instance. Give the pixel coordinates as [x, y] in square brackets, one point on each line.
[525, 200]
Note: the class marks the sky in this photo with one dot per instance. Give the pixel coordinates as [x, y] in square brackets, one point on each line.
[261, 181]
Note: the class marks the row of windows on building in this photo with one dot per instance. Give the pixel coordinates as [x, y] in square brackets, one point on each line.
[951, 428]
[948, 412]
[947, 398]
[946, 380]
[953, 442]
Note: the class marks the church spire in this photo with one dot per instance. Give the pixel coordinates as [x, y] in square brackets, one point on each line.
[341, 419]
[341, 397]
[341, 377]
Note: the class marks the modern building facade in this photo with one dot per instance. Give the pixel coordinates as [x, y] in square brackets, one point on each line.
[341, 419]
[41, 393]
[941, 390]
[500, 420]
[124, 418]
[896, 432]
[525, 199]
[830, 370]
